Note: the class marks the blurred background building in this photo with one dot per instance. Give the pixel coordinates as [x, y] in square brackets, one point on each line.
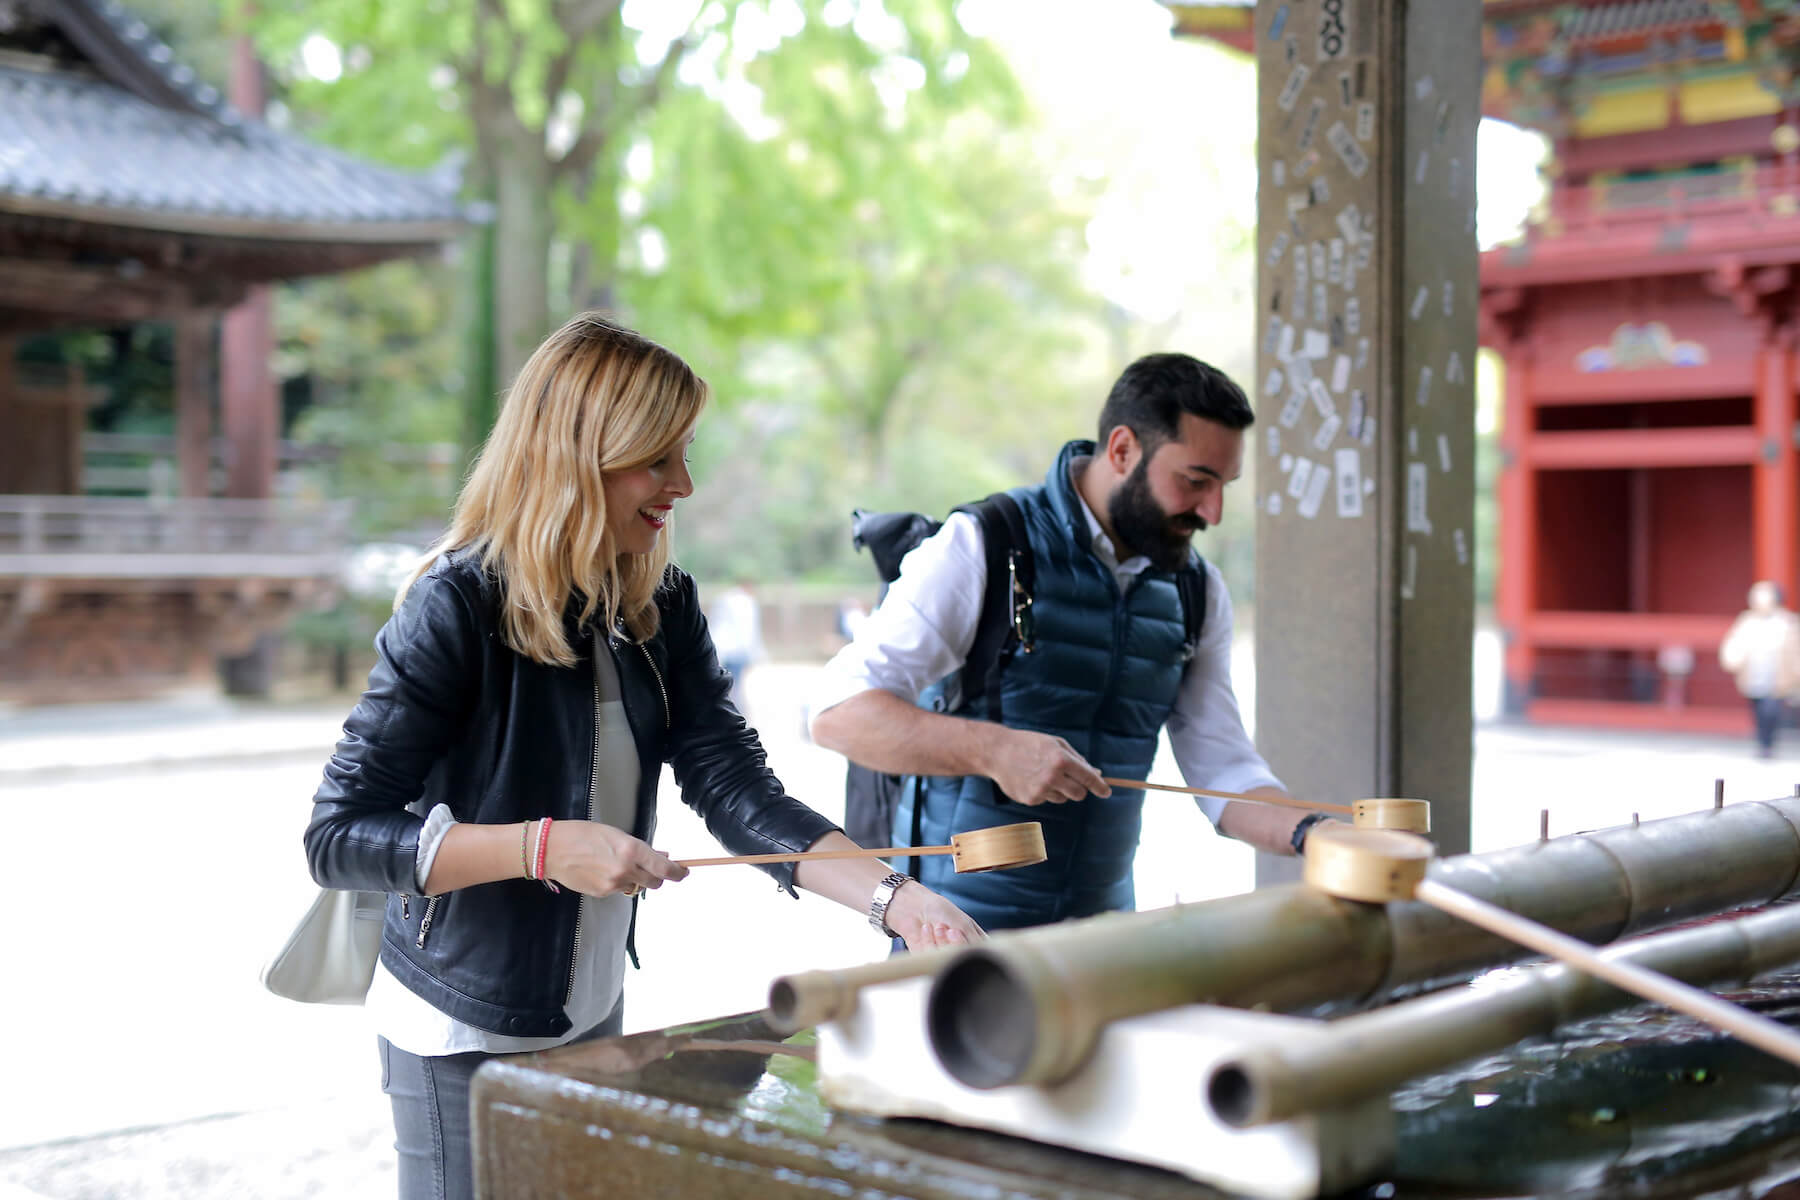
[132, 192]
[1645, 327]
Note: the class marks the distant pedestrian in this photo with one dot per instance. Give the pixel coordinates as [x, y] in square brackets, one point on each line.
[736, 621]
[1762, 653]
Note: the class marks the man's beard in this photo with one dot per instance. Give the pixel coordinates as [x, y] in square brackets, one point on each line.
[1142, 527]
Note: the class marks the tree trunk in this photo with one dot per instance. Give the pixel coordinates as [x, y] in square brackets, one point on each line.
[481, 375]
[522, 228]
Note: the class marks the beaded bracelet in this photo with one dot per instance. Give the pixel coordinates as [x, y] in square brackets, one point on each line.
[543, 845]
[524, 858]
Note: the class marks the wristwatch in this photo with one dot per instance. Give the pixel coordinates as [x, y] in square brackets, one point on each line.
[1302, 827]
[884, 896]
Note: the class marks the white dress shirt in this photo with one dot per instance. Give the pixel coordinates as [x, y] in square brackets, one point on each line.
[925, 625]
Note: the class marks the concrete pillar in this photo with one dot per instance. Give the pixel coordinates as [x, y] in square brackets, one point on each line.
[1367, 290]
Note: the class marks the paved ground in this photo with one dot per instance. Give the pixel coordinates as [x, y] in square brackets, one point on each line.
[152, 862]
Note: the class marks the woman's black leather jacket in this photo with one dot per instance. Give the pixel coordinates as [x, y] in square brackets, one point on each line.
[453, 716]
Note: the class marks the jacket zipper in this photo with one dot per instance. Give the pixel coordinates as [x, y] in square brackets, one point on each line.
[593, 793]
[425, 921]
[667, 720]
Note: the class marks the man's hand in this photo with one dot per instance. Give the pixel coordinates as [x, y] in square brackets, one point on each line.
[925, 919]
[1040, 768]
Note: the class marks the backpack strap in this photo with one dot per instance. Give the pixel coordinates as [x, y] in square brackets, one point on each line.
[1191, 582]
[1006, 602]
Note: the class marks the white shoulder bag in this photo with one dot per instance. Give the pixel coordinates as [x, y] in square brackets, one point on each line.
[330, 956]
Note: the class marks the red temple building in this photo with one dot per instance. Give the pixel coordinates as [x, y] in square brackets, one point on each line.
[1646, 324]
[1647, 327]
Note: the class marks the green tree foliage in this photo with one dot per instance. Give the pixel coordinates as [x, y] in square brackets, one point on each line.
[834, 208]
[375, 354]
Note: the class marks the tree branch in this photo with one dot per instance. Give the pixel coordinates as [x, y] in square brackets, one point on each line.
[491, 102]
[606, 119]
[649, 95]
[577, 21]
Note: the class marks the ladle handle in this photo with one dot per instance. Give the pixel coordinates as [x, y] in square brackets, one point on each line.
[1759, 1031]
[1289, 802]
[883, 852]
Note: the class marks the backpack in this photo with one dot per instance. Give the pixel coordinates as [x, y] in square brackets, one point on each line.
[872, 797]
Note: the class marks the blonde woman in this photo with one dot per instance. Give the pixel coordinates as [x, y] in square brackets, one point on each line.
[498, 777]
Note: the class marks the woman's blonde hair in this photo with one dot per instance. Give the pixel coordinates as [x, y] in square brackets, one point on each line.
[594, 397]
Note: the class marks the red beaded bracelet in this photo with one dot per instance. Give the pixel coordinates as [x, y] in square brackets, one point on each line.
[543, 844]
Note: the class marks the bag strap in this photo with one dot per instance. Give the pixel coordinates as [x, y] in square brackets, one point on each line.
[917, 836]
[1191, 582]
[1006, 601]
[1008, 556]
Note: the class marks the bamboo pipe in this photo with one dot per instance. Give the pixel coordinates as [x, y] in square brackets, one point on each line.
[1372, 1053]
[801, 1001]
[998, 848]
[1377, 866]
[1026, 1006]
[1759, 1031]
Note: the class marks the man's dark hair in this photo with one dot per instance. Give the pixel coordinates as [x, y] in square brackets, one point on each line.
[1154, 391]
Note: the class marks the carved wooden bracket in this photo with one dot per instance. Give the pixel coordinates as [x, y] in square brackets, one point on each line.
[1503, 317]
[1760, 292]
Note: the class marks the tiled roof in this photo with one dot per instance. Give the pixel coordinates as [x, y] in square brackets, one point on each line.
[1635, 18]
[73, 143]
[126, 50]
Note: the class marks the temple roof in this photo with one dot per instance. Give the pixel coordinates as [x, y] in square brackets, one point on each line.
[1596, 68]
[1640, 18]
[103, 123]
[85, 149]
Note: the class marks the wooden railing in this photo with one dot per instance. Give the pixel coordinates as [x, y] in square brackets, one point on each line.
[120, 538]
[148, 464]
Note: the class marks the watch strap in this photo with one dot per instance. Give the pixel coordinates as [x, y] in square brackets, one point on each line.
[884, 896]
[1302, 827]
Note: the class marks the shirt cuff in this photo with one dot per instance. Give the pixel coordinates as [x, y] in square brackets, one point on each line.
[1234, 779]
[437, 823]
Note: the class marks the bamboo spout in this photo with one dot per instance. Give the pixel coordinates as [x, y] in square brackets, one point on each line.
[1026, 1007]
[1374, 1052]
[801, 1001]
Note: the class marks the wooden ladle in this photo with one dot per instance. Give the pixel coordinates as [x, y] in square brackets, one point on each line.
[999, 848]
[1377, 865]
[1385, 813]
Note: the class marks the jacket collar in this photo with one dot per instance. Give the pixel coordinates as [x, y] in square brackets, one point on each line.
[1059, 488]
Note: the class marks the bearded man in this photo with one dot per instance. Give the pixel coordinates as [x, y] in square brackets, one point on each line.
[1103, 655]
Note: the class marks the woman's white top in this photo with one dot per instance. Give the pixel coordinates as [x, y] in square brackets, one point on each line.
[415, 1025]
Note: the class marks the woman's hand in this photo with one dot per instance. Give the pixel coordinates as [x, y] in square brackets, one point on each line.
[925, 919]
[598, 860]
